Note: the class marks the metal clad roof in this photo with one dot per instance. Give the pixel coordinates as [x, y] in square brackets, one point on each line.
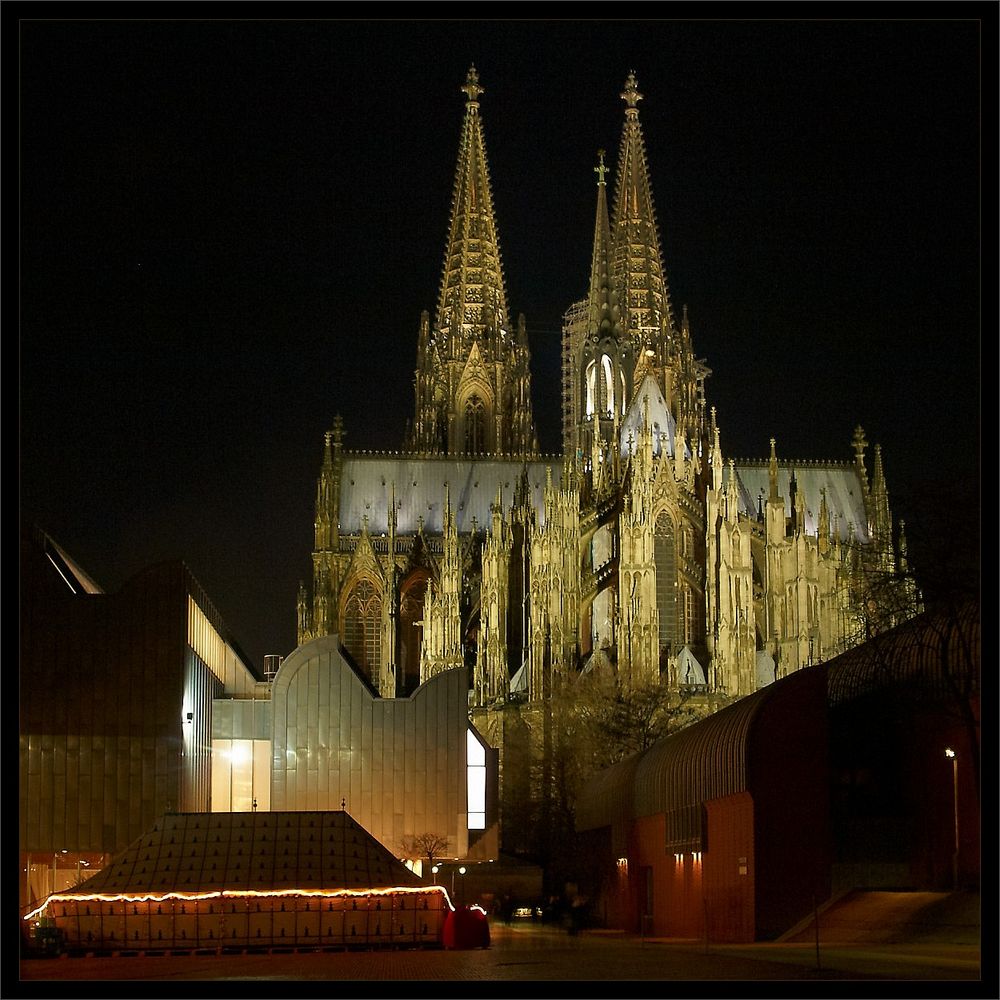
[942, 651]
[662, 420]
[608, 800]
[367, 483]
[707, 760]
[844, 497]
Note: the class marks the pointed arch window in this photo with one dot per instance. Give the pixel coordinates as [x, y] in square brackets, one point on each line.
[411, 613]
[475, 425]
[363, 628]
[590, 383]
[607, 401]
[688, 616]
[665, 559]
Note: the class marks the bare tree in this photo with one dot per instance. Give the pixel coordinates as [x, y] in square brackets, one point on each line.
[425, 845]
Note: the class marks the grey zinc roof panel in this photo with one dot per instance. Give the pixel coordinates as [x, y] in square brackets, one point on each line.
[367, 481]
[844, 497]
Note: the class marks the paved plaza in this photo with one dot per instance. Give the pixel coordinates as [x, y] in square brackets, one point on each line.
[517, 954]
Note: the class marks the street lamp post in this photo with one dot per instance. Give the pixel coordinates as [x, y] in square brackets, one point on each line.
[461, 871]
[953, 757]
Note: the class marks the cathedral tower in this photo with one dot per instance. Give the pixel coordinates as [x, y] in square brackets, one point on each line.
[601, 355]
[472, 380]
[661, 344]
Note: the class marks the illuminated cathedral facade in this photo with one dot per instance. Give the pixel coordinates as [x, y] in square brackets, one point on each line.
[643, 550]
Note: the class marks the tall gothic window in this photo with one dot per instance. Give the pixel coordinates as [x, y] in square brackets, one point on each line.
[411, 611]
[607, 402]
[590, 380]
[665, 558]
[475, 426]
[363, 628]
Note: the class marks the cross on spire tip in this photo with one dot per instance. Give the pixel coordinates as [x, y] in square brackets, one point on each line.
[472, 88]
[630, 95]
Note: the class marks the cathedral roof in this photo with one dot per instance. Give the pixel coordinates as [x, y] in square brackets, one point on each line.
[367, 483]
[844, 495]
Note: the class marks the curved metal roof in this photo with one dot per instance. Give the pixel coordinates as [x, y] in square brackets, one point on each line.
[940, 650]
[607, 799]
[707, 760]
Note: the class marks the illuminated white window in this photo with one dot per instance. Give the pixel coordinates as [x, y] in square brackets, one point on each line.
[607, 386]
[591, 383]
[476, 762]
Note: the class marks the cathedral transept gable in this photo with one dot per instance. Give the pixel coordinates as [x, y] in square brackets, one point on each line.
[649, 408]
[475, 378]
[364, 565]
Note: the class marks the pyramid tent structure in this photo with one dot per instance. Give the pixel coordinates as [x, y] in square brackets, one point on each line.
[251, 852]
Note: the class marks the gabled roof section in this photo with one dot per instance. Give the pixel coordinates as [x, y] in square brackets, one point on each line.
[472, 287]
[250, 852]
[649, 405]
[689, 670]
[638, 261]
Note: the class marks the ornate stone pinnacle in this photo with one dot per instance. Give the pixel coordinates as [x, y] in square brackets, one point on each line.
[600, 169]
[630, 95]
[472, 87]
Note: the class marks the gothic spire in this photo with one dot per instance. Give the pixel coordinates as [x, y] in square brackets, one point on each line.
[638, 262]
[472, 384]
[602, 299]
[472, 296]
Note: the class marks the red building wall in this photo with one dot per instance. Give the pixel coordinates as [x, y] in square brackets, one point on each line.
[730, 869]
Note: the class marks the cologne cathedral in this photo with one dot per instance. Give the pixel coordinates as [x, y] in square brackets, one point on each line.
[643, 551]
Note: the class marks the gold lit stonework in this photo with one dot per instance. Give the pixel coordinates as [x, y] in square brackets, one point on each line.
[643, 551]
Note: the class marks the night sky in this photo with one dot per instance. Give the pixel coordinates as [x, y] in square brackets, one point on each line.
[229, 231]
